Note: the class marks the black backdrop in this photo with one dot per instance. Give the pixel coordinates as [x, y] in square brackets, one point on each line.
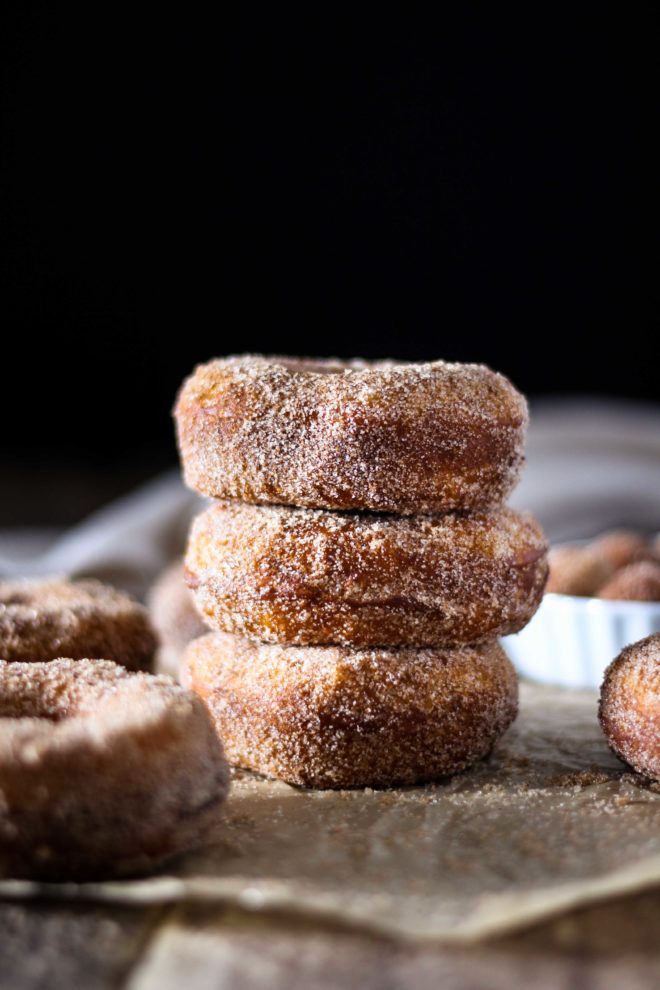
[474, 189]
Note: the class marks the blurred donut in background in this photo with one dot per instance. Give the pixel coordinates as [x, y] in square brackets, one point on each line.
[44, 619]
[174, 617]
[621, 565]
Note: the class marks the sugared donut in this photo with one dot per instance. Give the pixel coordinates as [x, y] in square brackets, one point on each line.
[620, 547]
[42, 619]
[305, 576]
[175, 618]
[630, 706]
[387, 437]
[638, 582]
[577, 570]
[102, 772]
[330, 717]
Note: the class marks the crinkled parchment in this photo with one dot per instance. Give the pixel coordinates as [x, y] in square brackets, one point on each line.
[552, 820]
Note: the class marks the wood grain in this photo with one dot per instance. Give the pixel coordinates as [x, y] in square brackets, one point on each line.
[58, 946]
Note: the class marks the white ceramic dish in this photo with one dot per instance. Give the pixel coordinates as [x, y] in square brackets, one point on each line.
[570, 641]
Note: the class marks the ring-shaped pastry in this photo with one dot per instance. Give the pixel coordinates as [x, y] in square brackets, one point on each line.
[385, 436]
[327, 717]
[304, 576]
[102, 772]
[46, 618]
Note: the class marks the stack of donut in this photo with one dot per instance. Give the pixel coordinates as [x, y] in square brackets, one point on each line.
[357, 564]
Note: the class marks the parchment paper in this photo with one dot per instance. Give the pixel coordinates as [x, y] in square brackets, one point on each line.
[552, 820]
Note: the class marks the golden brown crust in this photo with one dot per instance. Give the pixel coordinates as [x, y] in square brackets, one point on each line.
[303, 576]
[175, 618]
[42, 619]
[102, 772]
[328, 717]
[385, 437]
[630, 706]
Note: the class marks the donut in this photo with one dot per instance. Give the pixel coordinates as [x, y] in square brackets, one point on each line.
[174, 617]
[43, 619]
[102, 772]
[630, 706]
[620, 547]
[638, 582]
[327, 434]
[309, 576]
[577, 570]
[330, 717]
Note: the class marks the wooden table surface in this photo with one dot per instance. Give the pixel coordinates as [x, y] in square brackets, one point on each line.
[611, 946]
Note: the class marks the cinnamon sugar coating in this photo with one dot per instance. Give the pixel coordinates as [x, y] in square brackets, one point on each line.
[175, 618]
[630, 706]
[330, 717]
[102, 772]
[303, 576]
[385, 436]
[42, 619]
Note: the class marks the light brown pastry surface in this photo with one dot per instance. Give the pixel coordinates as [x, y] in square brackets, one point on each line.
[303, 576]
[620, 547]
[621, 564]
[46, 618]
[330, 717]
[577, 570]
[174, 617]
[630, 706]
[386, 437]
[102, 772]
[639, 582]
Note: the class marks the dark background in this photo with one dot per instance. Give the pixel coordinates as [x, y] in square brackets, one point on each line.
[476, 188]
